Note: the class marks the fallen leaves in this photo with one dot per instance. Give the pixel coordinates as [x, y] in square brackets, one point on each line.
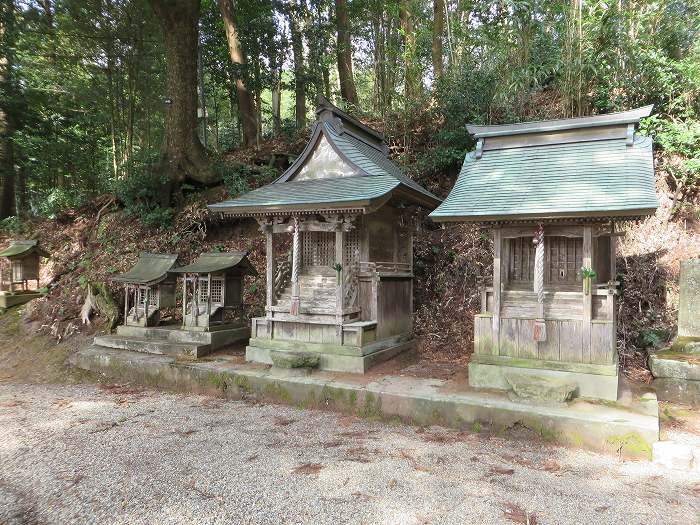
[517, 514]
[501, 471]
[308, 469]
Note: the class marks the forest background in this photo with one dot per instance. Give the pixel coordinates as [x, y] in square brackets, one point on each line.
[121, 119]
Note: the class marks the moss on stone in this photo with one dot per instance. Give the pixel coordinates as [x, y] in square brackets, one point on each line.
[275, 391]
[630, 444]
[220, 380]
[243, 383]
[371, 408]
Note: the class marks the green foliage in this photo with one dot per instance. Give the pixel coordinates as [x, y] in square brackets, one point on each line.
[241, 178]
[141, 195]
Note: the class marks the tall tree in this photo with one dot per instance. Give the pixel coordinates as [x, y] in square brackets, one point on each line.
[295, 27]
[246, 103]
[7, 124]
[409, 51]
[347, 82]
[182, 154]
[438, 30]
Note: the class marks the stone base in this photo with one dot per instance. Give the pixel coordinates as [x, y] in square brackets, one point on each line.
[627, 428]
[354, 360]
[676, 365]
[8, 300]
[588, 385]
[172, 340]
[679, 391]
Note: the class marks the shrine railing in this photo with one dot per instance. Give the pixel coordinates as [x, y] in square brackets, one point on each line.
[350, 286]
[385, 267]
[283, 275]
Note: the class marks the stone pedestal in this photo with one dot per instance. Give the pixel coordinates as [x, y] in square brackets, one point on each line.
[677, 370]
[689, 301]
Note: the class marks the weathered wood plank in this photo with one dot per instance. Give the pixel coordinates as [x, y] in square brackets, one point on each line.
[482, 334]
[549, 349]
[527, 346]
[587, 298]
[509, 337]
[602, 343]
[496, 326]
[571, 341]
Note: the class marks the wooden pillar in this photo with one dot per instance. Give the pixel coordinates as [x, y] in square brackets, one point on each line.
[209, 300]
[146, 305]
[184, 299]
[340, 285]
[587, 298]
[296, 268]
[496, 319]
[126, 302]
[269, 268]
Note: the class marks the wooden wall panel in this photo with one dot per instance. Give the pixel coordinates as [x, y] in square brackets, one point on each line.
[571, 341]
[509, 338]
[603, 339]
[394, 314]
[548, 350]
[482, 335]
[527, 346]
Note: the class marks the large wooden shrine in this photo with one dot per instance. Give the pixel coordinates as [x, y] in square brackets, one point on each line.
[338, 226]
[551, 193]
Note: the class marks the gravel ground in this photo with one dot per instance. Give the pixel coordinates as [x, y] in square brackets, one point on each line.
[83, 454]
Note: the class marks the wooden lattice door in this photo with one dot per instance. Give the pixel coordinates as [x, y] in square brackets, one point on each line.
[318, 248]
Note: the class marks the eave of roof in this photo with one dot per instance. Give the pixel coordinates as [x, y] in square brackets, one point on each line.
[218, 262]
[618, 118]
[23, 248]
[150, 268]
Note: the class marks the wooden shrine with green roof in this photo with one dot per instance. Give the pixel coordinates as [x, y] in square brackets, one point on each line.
[343, 292]
[551, 194]
[23, 262]
[212, 286]
[148, 287]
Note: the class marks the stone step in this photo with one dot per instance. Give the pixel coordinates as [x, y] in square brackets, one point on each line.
[153, 346]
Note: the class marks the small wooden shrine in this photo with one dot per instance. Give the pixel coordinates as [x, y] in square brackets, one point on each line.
[550, 194]
[212, 286]
[148, 287]
[338, 226]
[23, 260]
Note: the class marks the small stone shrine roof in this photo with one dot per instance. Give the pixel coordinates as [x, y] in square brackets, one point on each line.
[218, 262]
[19, 249]
[150, 268]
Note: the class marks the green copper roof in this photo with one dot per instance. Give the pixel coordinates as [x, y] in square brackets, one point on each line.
[370, 160]
[150, 268]
[217, 262]
[371, 175]
[602, 177]
[341, 192]
[17, 248]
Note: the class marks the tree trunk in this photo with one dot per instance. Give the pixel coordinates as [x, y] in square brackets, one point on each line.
[182, 155]
[347, 83]
[246, 104]
[409, 51]
[438, 29]
[299, 73]
[7, 124]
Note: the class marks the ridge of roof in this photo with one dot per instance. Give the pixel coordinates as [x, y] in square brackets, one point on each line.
[617, 118]
[325, 112]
